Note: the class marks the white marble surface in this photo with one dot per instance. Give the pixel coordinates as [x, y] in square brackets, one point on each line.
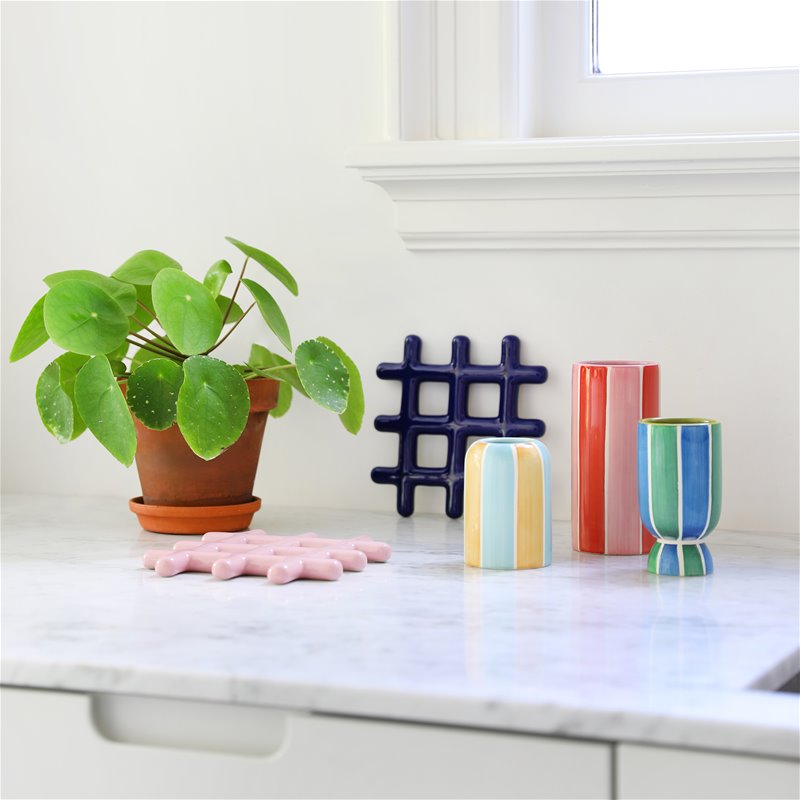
[591, 647]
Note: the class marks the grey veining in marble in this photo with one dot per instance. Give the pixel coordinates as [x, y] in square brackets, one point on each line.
[592, 647]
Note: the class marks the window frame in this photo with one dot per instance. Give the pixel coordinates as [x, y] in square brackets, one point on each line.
[577, 101]
[466, 167]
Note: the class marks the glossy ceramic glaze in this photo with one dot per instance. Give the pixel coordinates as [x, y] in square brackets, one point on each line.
[280, 559]
[608, 400]
[507, 518]
[456, 425]
[680, 491]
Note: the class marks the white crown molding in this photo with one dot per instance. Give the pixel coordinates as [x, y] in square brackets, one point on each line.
[710, 191]
[746, 152]
[600, 240]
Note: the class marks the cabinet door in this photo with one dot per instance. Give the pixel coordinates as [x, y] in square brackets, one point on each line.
[645, 772]
[71, 745]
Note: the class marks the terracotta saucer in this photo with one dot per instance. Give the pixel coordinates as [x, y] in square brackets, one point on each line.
[194, 519]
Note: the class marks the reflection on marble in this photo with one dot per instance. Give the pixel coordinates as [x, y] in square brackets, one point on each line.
[593, 646]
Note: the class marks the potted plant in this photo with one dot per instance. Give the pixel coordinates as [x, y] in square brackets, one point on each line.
[193, 422]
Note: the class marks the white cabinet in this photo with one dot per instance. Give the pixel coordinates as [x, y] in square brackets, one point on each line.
[650, 773]
[73, 745]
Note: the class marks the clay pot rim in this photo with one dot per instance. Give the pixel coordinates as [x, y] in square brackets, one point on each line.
[138, 506]
[263, 393]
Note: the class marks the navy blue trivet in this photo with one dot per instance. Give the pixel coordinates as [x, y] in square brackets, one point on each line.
[457, 425]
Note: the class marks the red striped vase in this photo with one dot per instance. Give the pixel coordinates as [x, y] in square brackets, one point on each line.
[608, 400]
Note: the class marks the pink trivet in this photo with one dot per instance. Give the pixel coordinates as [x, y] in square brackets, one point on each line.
[280, 558]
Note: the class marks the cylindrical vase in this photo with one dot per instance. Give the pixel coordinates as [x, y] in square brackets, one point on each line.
[608, 400]
[507, 504]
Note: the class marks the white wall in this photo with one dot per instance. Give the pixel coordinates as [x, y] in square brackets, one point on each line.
[168, 126]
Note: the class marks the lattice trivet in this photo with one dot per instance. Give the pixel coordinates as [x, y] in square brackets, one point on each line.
[280, 559]
[456, 425]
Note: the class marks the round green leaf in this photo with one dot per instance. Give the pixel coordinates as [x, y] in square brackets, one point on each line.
[123, 293]
[55, 406]
[55, 397]
[216, 276]
[187, 311]
[353, 415]
[83, 318]
[236, 312]
[142, 267]
[153, 392]
[323, 374]
[284, 400]
[271, 312]
[70, 365]
[118, 353]
[270, 264]
[32, 335]
[213, 405]
[104, 410]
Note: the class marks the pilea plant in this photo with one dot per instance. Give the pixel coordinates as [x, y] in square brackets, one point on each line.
[175, 323]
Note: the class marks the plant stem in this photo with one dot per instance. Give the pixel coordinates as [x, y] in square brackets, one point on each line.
[267, 372]
[166, 345]
[233, 328]
[150, 342]
[148, 310]
[146, 344]
[233, 297]
[276, 369]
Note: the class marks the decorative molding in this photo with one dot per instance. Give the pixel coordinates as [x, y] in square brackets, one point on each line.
[711, 191]
[600, 240]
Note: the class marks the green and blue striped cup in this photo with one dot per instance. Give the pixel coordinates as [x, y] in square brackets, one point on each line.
[680, 491]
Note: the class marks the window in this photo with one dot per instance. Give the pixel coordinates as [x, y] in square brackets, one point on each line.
[603, 69]
[631, 36]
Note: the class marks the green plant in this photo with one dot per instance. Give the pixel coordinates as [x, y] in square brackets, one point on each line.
[176, 322]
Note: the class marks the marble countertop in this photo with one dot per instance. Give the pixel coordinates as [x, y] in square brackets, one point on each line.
[591, 647]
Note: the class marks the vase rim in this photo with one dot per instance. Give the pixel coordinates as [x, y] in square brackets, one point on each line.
[507, 440]
[675, 421]
[607, 363]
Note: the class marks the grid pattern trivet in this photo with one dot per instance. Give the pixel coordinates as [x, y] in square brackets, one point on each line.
[457, 425]
[280, 559]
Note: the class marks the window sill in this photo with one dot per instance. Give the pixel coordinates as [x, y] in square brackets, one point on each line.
[665, 192]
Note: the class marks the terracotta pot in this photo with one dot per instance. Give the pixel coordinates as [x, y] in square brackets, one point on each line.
[194, 519]
[172, 475]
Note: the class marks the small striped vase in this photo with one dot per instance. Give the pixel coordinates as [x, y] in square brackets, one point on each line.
[680, 491]
[608, 400]
[507, 504]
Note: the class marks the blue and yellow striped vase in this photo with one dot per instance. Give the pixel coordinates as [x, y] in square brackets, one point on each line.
[680, 491]
[507, 504]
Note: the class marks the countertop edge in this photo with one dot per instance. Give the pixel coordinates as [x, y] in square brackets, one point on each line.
[689, 723]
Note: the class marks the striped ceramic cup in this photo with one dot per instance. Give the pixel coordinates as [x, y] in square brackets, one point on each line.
[608, 400]
[507, 504]
[680, 491]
